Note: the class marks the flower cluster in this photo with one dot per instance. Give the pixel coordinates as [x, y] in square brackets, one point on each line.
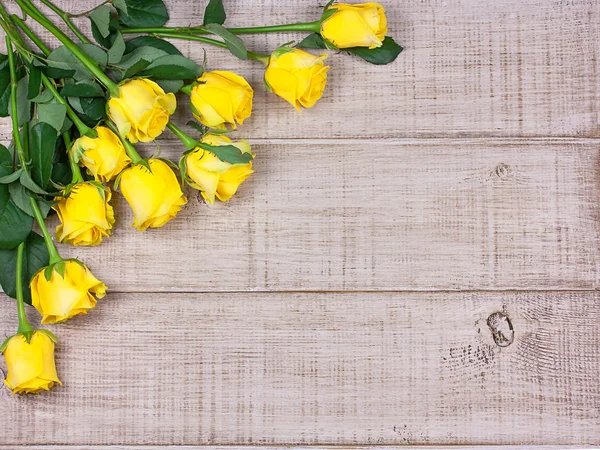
[79, 110]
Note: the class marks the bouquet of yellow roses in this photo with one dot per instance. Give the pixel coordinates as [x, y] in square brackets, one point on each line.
[78, 110]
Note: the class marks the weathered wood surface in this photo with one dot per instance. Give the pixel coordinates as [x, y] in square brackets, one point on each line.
[311, 447]
[310, 368]
[424, 175]
[416, 215]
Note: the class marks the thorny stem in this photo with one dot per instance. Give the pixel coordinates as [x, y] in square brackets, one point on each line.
[189, 142]
[88, 62]
[66, 19]
[129, 148]
[54, 256]
[24, 327]
[302, 27]
[190, 37]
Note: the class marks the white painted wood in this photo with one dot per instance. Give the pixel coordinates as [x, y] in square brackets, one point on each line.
[384, 215]
[311, 447]
[318, 368]
[501, 68]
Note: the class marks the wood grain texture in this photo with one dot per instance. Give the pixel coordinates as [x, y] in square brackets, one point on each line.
[402, 215]
[470, 68]
[318, 368]
[310, 447]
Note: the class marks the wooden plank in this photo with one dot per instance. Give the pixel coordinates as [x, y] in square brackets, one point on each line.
[471, 68]
[310, 447]
[387, 215]
[318, 368]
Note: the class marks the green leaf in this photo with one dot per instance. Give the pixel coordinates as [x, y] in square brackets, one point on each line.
[7, 179]
[35, 81]
[6, 161]
[101, 18]
[28, 182]
[172, 67]
[23, 105]
[312, 41]
[385, 54]
[172, 86]
[4, 84]
[138, 60]
[53, 114]
[151, 41]
[120, 5]
[83, 88]
[234, 43]
[227, 153]
[15, 225]
[35, 257]
[43, 97]
[62, 58]
[91, 109]
[115, 53]
[215, 12]
[144, 13]
[42, 142]
[113, 29]
[21, 197]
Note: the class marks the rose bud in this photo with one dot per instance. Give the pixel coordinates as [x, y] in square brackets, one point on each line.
[154, 195]
[363, 25]
[65, 290]
[85, 215]
[31, 367]
[142, 110]
[212, 176]
[104, 156]
[221, 98]
[297, 76]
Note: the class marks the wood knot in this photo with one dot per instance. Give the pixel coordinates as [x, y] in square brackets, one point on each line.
[501, 328]
[503, 171]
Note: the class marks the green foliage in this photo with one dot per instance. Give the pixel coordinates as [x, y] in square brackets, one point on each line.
[84, 88]
[35, 257]
[4, 85]
[42, 142]
[143, 13]
[90, 109]
[234, 43]
[23, 104]
[312, 41]
[113, 29]
[227, 153]
[64, 60]
[53, 114]
[115, 53]
[385, 54]
[15, 224]
[34, 84]
[100, 17]
[215, 12]
[172, 67]
[151, 41]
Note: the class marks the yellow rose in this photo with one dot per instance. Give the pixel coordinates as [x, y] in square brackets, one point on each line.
[363, 25]
[63, 297]
[31, 367]
[103, 156]
[154, 195]
[221, 98]
[142, 110]
[211, 176]
[85, 215]
[297, 76]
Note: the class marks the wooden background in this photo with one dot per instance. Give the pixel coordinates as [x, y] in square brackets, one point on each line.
[348, 295]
